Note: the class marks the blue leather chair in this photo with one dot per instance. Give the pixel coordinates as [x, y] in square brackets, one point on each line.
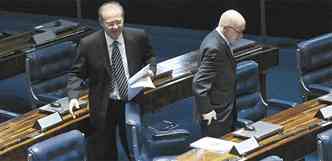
[151, 142]
[272, 158]
[250, 104]
[12, 106]
[69, 146]
[314, 62]
[324, 145]
[47, 70]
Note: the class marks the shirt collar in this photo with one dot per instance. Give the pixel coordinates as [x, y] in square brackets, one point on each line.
[222, 35]
[110, 41]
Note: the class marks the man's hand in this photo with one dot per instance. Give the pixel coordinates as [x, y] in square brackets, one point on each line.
[209, 116]
[73, 103]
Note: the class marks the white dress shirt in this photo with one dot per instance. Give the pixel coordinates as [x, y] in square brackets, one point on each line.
[223, 36]
[115, 93]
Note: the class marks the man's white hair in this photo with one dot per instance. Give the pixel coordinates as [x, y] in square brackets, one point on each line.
[112, 5]
[232, 18]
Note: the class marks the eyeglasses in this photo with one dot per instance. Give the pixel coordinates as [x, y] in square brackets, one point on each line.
[113, 23]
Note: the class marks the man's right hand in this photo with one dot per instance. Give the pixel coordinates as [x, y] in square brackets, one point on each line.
[73, 103]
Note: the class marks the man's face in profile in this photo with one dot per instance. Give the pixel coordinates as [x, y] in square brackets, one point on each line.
[234, 34]
[112, 22]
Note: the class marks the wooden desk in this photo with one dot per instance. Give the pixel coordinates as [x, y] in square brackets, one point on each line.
[17, 134]
[185, 66]
[297, 139]
[14, 48]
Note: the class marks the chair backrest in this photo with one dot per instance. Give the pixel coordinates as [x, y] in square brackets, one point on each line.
[153, 135]
[249, 102]
[69, 146]
[324, 143]
[47, 68]
[272, 158]
[314, 61]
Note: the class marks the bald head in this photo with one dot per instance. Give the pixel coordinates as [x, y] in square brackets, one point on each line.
[232, 18]
[232, 24]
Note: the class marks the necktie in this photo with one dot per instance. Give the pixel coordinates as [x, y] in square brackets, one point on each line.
[118, 71]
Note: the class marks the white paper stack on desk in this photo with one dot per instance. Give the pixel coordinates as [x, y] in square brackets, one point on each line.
[261, 130]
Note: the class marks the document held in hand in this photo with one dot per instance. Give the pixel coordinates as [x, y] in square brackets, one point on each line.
[139, 81]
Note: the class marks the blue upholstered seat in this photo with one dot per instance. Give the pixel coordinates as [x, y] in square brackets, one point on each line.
[314, 61]
[324, 142]
[69, 146]
[272, 158]
[157, 140]
[47, 70]
[249, 102]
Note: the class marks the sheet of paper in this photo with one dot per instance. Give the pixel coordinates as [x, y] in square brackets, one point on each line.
[140, 74]
[213, 144]
[145, 82]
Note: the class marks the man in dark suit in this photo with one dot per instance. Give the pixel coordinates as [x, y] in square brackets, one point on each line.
[214, 84]
[108, 58]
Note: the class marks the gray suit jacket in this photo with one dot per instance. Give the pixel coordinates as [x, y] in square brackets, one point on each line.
[214, 84]
[93, 63]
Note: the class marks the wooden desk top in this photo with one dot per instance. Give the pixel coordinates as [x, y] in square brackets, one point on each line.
[19, 132]
[300, 127]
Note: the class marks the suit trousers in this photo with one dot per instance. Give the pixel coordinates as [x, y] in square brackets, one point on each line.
[218, 127]
[103, 145]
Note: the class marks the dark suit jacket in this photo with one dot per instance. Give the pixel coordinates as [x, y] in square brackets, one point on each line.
[214, 84]
[93, 63]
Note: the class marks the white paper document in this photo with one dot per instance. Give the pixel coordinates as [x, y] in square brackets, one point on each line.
[145, 82]
[213, 144]
[139, 75]
[139, 81]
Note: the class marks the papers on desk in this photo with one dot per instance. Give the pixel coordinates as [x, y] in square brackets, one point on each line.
[223, 146]
[326, 98]
[261, 130]
[213, 144]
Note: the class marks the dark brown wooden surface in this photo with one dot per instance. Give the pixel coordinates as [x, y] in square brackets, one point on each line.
[298, 138]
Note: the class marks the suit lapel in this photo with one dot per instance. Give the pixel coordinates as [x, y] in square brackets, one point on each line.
[229, 51]
[102, 47]
[129, 45]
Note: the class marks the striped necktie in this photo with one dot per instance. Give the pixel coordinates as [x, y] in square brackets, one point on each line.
[118, 71]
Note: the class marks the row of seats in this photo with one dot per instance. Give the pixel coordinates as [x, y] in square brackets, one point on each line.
[71, 146]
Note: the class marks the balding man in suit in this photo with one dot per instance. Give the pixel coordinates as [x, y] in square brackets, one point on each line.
[214, 84]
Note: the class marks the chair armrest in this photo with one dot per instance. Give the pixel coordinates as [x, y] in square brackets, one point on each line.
[133, 114]
[281, 103]
[319, 89]
[8, 114]
[169, 135]
[134, 129]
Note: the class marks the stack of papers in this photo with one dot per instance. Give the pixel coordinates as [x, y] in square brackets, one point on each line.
[261, 130]
[141, 79]
[326, 98]
[213, 144]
